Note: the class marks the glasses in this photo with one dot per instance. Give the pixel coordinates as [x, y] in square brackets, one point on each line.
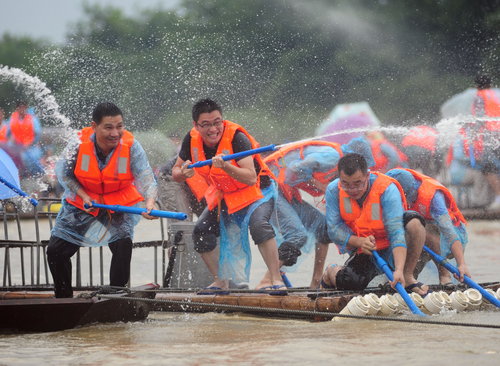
[206, 126]
[358, 186]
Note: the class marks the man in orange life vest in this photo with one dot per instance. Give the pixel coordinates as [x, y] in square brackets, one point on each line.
[307, 167]
[106, 165]
[486, 145]
[24, 128]
[238, 192]
[446, 233]
[365, 212]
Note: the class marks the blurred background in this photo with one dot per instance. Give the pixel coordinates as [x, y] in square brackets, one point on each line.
[271, 63]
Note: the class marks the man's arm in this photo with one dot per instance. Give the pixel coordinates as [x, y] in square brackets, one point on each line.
[392, 209]
[144, 178]
[440, 215]
[338, 231]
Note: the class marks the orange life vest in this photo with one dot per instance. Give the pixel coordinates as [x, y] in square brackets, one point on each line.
[113, 185]
[368, 219]
[214, 183]
[381, 160]
[3, 133]
[491, 108]
[22, 130]
[277, 159]
[426, 192]
[423, 136]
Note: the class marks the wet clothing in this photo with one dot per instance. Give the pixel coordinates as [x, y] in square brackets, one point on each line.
[242, 207]
[215, 184]
[77, 226]
[442, 210]
[366, 218]
[359, 269]
[60, 251]
[295, 165]
[112, 184]
[240, 143]
[301, 226]
[74, 227]
[422, 136]
[392, 208]
[207, 229]
[386, 155]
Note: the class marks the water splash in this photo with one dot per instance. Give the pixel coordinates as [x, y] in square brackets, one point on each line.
[45, 102]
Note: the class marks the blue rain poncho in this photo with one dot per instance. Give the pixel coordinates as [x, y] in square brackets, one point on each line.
[298, 223]
[318, 158]
[235, 258]
[77, 226]
[392, 216]
[448, 232]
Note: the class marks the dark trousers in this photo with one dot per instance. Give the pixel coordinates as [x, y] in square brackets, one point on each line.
[59, 253]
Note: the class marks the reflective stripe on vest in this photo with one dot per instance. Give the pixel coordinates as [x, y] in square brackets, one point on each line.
[368, 219]
[113, 184]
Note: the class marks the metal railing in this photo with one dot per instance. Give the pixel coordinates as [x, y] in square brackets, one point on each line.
[33, 265]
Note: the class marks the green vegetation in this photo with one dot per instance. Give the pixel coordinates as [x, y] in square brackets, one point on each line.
[283, 64]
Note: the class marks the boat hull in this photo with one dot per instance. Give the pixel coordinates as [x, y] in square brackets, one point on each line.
[49, 314]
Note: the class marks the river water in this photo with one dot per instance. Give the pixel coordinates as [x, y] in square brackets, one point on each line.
[198, 339]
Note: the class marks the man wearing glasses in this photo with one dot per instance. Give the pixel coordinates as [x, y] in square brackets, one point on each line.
[365, 212]
[239, 195]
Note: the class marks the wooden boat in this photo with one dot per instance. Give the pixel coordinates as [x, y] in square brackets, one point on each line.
[41, 312]
[252, 302]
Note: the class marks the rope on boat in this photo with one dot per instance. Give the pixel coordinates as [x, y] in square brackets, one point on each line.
[312, 314]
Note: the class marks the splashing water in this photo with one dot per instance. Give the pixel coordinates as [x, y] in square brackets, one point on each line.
[34, 87]
[46, 108]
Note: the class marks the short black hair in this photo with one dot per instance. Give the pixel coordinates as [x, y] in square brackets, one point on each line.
[351, 163]
[104, 110]
[205, 106]
[483, 81]
[21, 103]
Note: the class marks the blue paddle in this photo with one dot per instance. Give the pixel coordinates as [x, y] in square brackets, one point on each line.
[442, 261]
[285, 279]
[33, 201]
[238, 155]
[399, 287]
[139, 210]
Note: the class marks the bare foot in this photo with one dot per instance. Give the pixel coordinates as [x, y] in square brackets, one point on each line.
[265, 281]
[223, 284]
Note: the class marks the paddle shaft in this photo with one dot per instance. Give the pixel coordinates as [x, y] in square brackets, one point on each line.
[238, 155]
[442, 261]
[399, 288]
[139, 210]
[33, 201]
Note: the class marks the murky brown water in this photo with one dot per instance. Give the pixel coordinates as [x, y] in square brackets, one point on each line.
[196, 339]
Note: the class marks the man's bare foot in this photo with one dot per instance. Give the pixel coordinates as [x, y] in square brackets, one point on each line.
[265, 282]
[223, 284]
